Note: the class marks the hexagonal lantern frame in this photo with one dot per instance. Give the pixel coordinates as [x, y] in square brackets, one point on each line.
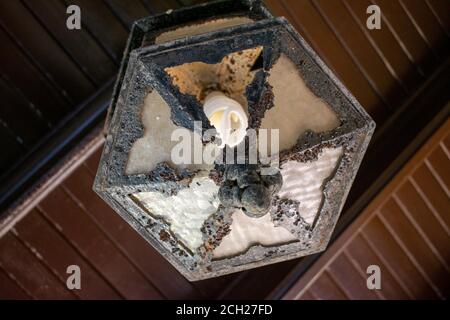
[145, 72]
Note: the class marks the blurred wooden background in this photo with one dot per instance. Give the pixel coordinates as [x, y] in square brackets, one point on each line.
[50, 76]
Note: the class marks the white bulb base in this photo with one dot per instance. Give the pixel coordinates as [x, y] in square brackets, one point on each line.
[228, 117]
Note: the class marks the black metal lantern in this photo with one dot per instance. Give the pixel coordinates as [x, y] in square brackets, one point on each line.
[213, 218]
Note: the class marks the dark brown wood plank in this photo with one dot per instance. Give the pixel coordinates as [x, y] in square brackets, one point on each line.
[17, 68]
[307, 296]
[9, 142]
[20, 117]
[215, 287]
[362, 53]
[414, 206]
[18, 260]
[432, 193]
[310, 24]
[432, 266]
[38, 43]
[393, 12]
[364, 256]
[157, 6]
[10, 290]
[94, 244]
[427, 25]
[155, 267]
[127, 11]
[446, 143]
[397, 259]
[79, 43]
[387, 47]
[441, 10]
[439, 163]
[52, 246]
[102, 24]
[350, 279]
[248, 284]
[91, 163]
[325, 288]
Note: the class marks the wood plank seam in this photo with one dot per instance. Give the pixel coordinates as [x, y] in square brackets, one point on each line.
[437, 177]
[400, 41]
[419, 29]
[360, 271]
[376, 48]
[336, 284]
[146, 5]
[75, 247]
[18, 92]
[362, 237]
[304, 31]
[115, 244]
[410, 256]
[106, 50]
[113, 11]
[428, 203]
[385, 261]
[16, 281]
[67, 52]
[14, 135]
[337, 280]
[419, 229]
[444, 147]
[55, 87]
[351, 54]
[436, 16]
[34, 252]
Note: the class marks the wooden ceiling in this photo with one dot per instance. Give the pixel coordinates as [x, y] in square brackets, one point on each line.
[49, 73]
[405, 231]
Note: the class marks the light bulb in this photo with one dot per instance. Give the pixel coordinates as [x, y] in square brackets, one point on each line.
[227, 116]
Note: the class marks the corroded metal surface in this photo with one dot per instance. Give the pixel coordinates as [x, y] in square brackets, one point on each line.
[143, 71]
